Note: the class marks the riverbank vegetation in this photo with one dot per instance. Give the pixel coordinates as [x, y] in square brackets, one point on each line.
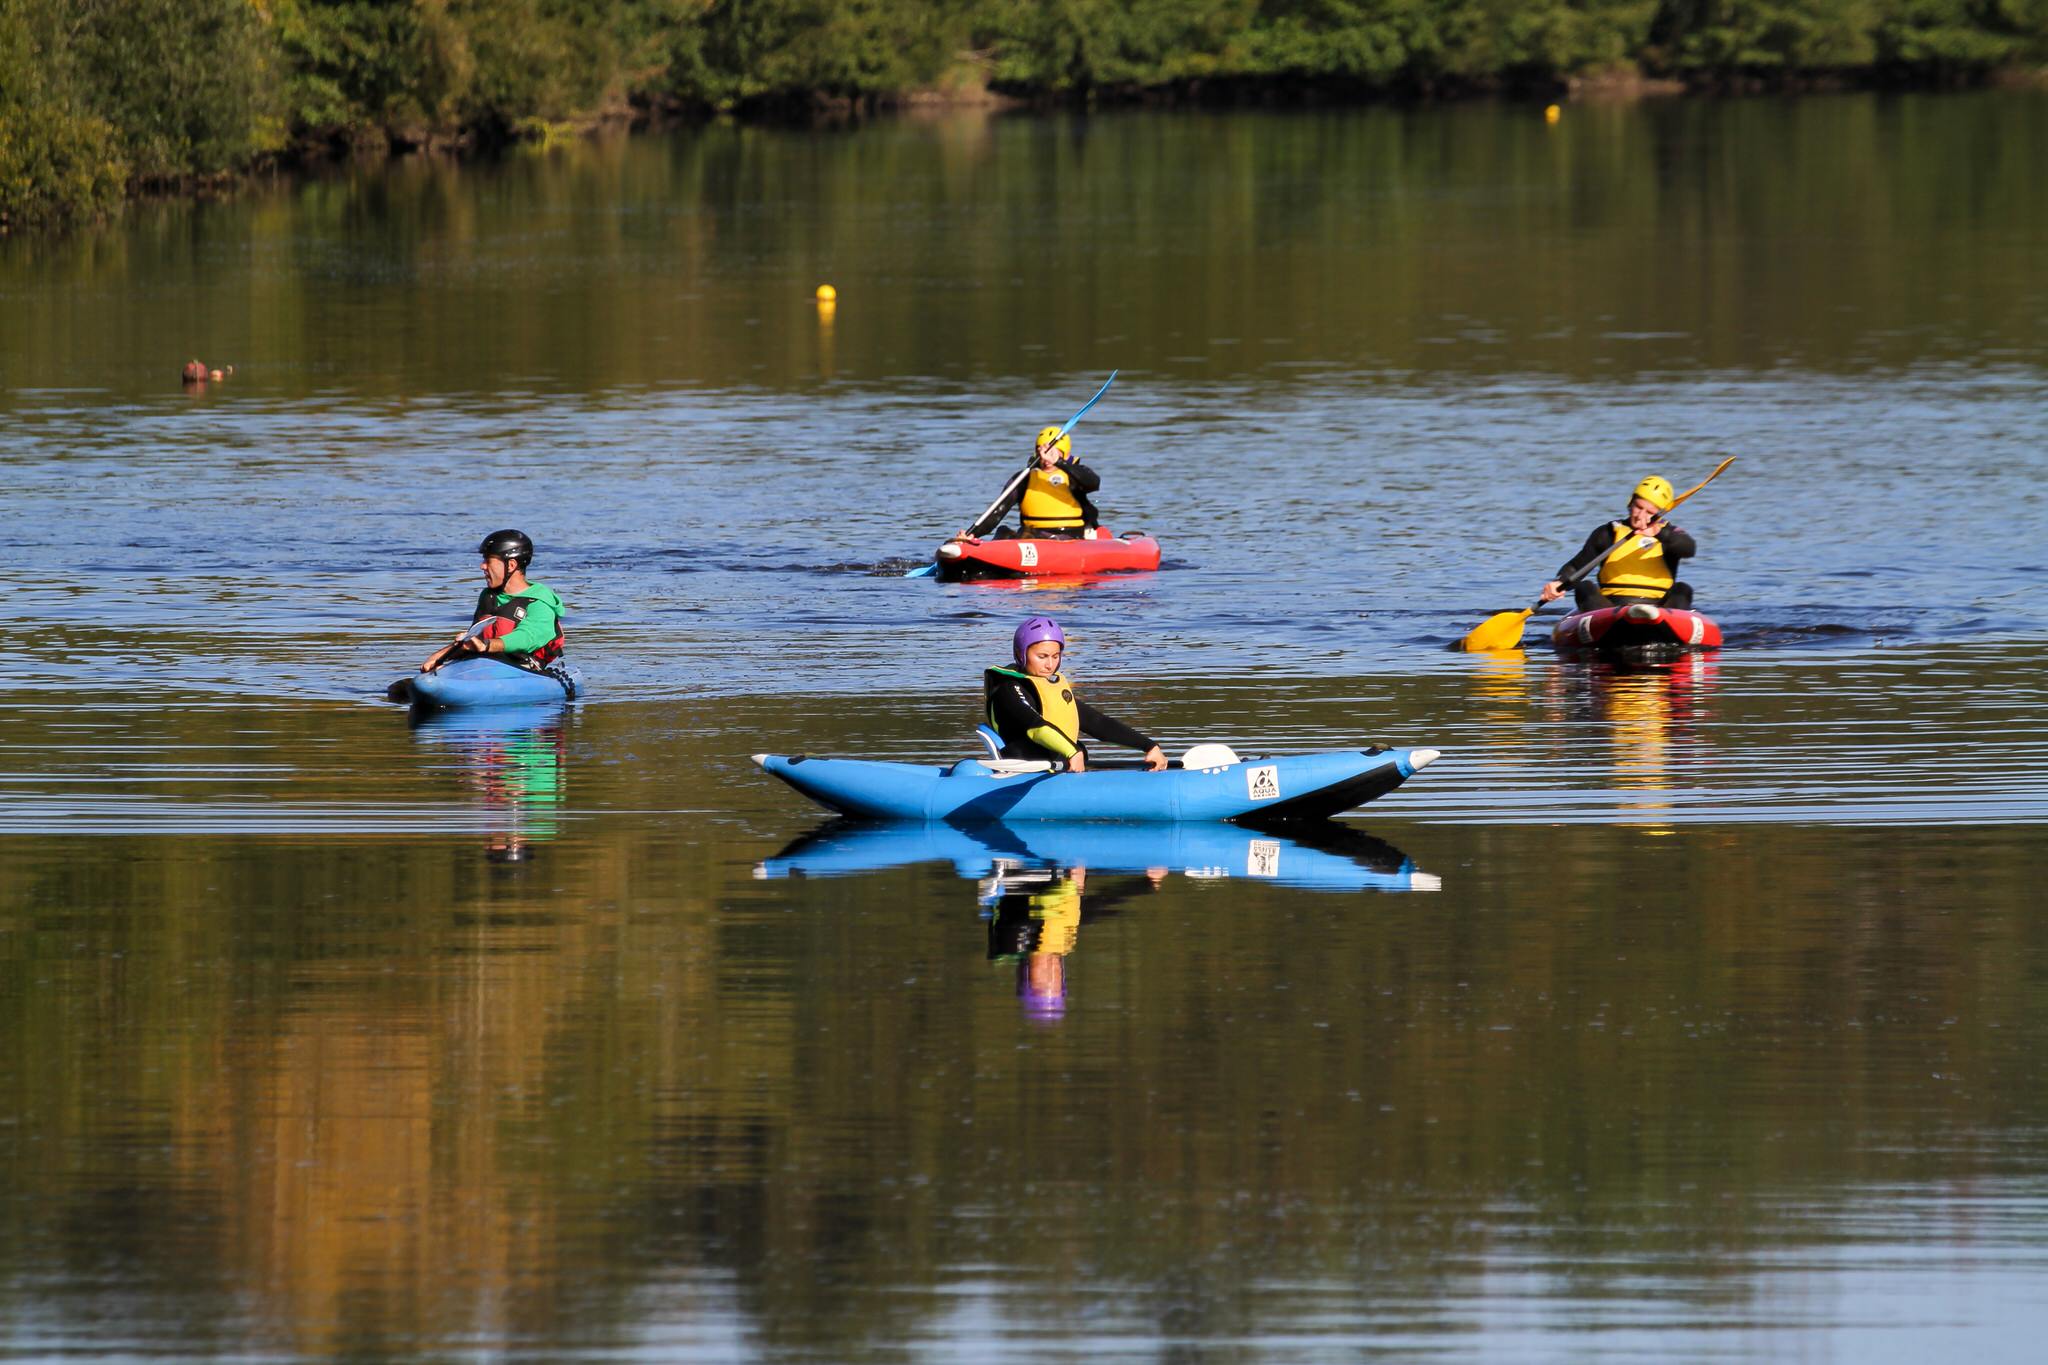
[103, 98]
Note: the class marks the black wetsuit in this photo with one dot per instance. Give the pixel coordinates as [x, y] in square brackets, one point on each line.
[1080, 478]
[1011, 708]
[1016, 921]
[1586, 595]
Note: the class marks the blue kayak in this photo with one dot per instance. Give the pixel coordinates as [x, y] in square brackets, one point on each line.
[488, 681]
[1321, 857]
[982, 791]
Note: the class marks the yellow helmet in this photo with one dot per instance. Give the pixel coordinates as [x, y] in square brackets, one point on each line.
[1656, 491]
[1062, 442]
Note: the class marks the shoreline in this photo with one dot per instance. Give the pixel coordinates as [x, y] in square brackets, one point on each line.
[967, 90]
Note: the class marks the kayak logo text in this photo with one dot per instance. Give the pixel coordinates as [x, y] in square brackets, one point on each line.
[1263, 783]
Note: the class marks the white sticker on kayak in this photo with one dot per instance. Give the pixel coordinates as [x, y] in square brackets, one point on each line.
[1027, 554]
[1263, 860]
[1262, 783]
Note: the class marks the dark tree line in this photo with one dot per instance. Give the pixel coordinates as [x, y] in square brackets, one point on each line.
[100, 97]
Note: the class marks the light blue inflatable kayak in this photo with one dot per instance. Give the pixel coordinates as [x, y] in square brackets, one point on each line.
[1332, 858]
[982, 791]
[490, 681]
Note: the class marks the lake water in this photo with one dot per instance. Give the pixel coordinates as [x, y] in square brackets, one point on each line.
[1694, 1012]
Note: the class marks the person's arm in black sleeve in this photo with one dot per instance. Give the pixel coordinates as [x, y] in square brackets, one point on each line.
[1677, 544]
[1590, 554]
[1109, 728]
[1084, 479]
[994, 516]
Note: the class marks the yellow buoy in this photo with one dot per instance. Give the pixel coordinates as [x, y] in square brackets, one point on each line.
[827, 294]
[1551, 113]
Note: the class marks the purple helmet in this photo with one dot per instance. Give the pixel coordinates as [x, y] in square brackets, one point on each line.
[1031, 632]
[1044, 1002]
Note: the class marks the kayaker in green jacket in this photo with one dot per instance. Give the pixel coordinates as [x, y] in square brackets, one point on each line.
[1032, 706]
[515, 617]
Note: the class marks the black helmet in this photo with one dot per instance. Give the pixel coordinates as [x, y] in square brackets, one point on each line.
[512, 545]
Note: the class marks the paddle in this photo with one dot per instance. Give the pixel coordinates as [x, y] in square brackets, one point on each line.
[927, 570]
[1503, 630]
[402, 689]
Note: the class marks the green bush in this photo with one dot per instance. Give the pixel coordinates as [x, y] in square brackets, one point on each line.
[190, 86]
[732, 52]
[1943, 39]
[93, 92]
[57, 168]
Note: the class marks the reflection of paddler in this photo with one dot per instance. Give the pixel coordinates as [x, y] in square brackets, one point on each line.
[1035, 921]
[1637, 557]
[524, 774]
[1650, 713]
[1035, 918]
[520, 774]
[1502, 680]
[1640, 723]
[1033, 910]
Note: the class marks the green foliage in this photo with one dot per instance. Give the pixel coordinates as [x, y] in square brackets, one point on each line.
[736, 51]
[1945, 37]
[1732, 37]
[57, 168]
[534, 59]
[189, 85]
[1411, 42]
[1082, 44]
[157, 90]
[353, 64]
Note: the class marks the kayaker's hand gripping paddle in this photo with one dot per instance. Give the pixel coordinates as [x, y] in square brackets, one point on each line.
[1503, 630]
[927, 570]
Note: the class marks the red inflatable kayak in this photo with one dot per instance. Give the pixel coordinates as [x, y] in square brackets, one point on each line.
[970, 558]
[1638, 630]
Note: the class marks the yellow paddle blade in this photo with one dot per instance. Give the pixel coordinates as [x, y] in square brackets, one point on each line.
[1702, 483]
[1503, 630]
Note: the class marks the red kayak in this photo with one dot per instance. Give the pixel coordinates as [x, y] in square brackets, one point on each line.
[1134, 552]
[1638, 630]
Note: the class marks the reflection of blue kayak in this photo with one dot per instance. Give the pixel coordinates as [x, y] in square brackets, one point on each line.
[1333, 858]
[485, 723]
[487, 681]
[978, 791]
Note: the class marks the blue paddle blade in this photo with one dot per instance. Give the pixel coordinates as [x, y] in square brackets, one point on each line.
[923, 571]
[1068, 424]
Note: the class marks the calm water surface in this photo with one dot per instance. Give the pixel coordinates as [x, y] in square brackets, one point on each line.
[1686, 1013]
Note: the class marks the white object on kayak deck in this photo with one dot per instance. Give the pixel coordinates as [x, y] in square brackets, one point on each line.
[1206, 757]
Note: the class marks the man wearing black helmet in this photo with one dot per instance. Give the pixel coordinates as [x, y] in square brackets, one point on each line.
[519, 618]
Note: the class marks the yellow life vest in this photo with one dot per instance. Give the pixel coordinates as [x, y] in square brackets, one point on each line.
[1054, 703]
[1050, 502]
[1636, 570]
[1058, 912]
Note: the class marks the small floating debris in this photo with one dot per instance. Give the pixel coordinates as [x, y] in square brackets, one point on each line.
[196, 373]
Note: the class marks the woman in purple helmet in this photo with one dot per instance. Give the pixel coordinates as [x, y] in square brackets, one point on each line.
[1032, 707]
